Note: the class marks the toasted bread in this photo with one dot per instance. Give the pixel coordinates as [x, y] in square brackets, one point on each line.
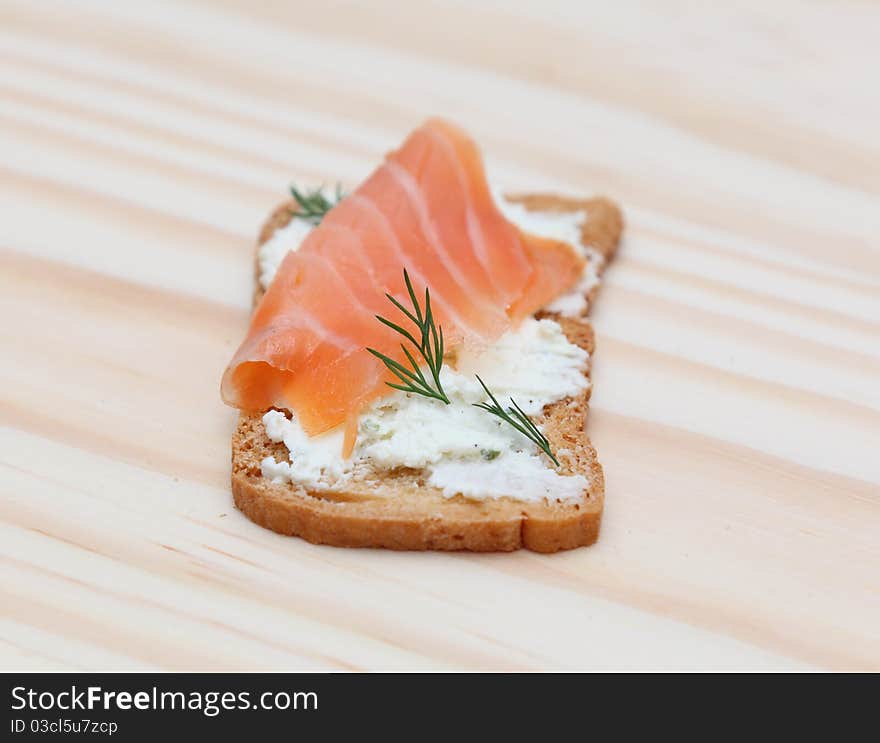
[402, 511]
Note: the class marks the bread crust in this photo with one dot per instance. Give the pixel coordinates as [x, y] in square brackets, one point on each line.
[403, 512]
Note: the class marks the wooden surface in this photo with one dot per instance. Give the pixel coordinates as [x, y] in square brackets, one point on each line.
[737, 378]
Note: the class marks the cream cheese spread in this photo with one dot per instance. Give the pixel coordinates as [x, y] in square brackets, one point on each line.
[272, 251]
[462, 449]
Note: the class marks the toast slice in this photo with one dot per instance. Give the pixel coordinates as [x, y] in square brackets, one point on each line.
[403, 512]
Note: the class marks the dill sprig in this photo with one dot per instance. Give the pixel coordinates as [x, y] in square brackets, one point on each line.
[516, 418]
[429, 346]
[313, 205]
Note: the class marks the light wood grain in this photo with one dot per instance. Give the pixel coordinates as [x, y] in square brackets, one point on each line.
[737, 376]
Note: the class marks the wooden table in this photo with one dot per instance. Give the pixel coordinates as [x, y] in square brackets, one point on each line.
[737, 379]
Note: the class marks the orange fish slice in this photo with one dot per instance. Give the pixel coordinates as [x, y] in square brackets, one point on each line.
[427, 209]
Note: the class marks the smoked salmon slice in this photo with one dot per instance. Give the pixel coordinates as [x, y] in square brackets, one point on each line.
[427, 209]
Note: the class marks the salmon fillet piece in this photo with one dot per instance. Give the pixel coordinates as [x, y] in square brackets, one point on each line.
[427, 209]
